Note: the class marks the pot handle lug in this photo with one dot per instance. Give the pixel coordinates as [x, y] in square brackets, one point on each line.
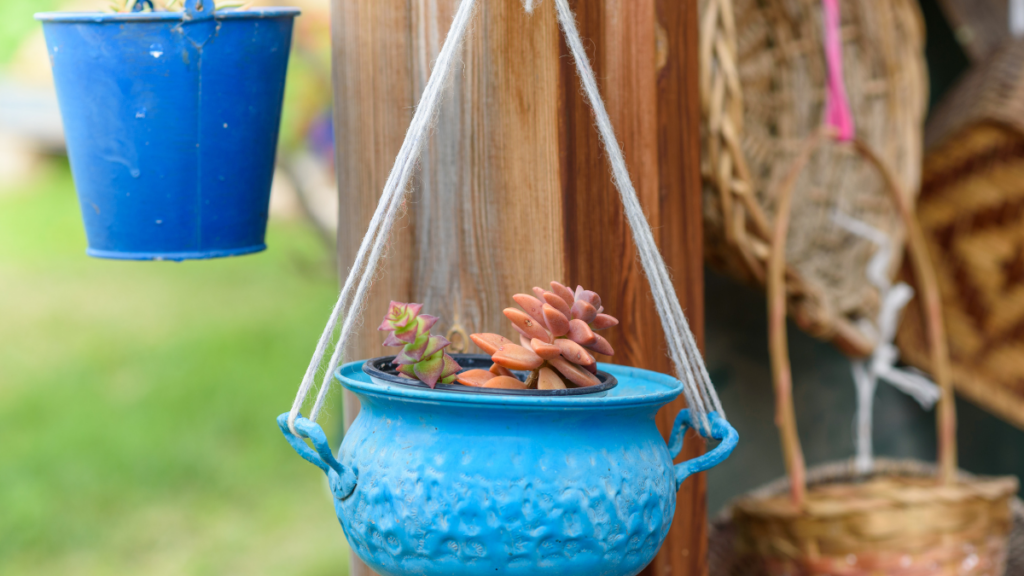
[720, 430]
[342, 479]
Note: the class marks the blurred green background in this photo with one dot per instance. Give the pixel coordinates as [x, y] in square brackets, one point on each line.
[137, 400]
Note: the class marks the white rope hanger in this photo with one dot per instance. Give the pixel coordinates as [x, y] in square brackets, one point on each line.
[689, 365]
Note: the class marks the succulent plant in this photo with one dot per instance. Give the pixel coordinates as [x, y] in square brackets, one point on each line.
[556, 337]
[422, 356]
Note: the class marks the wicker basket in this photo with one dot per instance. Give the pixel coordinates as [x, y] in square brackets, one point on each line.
[762, 76]
[991, 513]
[972, 210]
[888, 524]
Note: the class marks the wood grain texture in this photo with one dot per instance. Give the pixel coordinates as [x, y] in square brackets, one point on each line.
[645, 57]
[514, 190]
[682, 245]
[486, 211]
[374, 100]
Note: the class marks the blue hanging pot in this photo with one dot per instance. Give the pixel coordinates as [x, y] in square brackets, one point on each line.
[444, 482]
[171, 121]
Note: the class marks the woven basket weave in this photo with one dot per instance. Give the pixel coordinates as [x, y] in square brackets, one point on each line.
[971, 208]
[973, 520]
[888, 524]
[762, 77]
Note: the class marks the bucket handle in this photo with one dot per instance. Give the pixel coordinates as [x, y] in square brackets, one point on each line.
[199, 9]
[342, 479]
[720, 430]
[194, 9]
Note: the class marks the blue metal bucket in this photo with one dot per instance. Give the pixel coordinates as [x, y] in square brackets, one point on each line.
[171, 121]
[433, 483]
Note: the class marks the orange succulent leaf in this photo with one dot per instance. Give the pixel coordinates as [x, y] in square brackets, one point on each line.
[489, 343]
[562, 292]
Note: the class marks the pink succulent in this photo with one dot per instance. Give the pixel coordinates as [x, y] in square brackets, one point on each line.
[422, 355]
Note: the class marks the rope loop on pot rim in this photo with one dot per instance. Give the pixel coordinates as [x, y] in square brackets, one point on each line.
[689, 365]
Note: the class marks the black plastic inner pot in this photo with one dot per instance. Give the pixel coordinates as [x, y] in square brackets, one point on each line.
[383, 369]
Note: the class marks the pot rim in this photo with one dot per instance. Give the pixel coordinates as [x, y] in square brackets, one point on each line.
[133, 17]
[637, 387]
[371, 367]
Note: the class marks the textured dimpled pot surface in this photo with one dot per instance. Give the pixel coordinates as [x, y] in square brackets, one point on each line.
[444, 483]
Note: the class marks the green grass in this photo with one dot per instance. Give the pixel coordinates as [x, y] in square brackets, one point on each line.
[16, 22]
[137, 403]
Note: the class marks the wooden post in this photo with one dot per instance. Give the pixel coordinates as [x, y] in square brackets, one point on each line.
[514, 190]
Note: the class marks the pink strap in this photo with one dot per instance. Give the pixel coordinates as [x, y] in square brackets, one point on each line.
[837, 107]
